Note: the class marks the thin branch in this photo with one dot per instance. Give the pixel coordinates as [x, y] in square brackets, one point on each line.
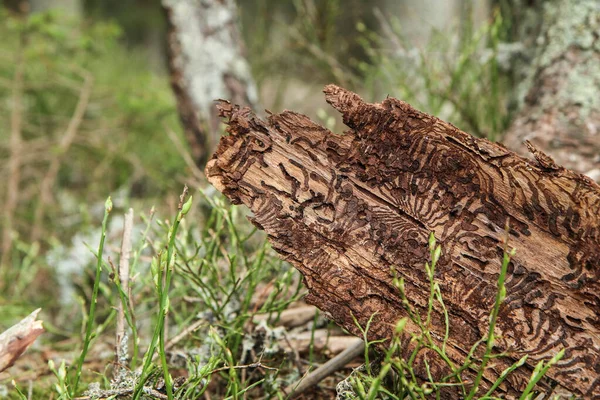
[14, 176]
[247, 366]
[124, 283]
[189, 329]
[388, 31]
[336, 68]
[63, 147]
[335, 364]
[185, 154]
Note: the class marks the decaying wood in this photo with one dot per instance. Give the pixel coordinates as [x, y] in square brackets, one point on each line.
[350, 211]
[321, 340]
[15, 340]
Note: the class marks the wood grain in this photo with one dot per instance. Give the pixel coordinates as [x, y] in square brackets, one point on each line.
[350, 211]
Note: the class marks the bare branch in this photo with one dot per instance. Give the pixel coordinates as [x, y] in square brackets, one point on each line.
[14, 175]
[63, 147]
[124, 283]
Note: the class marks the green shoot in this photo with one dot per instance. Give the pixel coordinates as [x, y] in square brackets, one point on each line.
[162, 272]
[90, 319]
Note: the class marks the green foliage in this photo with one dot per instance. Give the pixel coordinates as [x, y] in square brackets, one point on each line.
[162, 273]
[304, 39]
[227, 269]
[209, 268]
[90, 317]
[223, 264]
[458, 79]
[61, 386]
[120, 140]
[461, 78]
[139, 20]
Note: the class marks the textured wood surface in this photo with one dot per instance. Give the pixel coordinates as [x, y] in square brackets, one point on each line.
[16, 339]
[348, 209]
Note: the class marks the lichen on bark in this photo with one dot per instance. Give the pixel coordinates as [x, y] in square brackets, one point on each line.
[560, 95]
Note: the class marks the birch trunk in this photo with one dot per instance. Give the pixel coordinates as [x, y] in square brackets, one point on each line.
[206, 61]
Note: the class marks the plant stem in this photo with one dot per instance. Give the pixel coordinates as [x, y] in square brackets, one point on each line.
[92, 312]
[500, 295]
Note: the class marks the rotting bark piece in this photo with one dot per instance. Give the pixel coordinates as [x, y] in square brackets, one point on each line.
[15, 340]
[348, 209]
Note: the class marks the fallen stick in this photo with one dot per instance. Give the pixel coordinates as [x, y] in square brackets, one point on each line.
[330, 367]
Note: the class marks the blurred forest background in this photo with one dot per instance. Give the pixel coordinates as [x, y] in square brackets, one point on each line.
[87, 108]
[87, 85]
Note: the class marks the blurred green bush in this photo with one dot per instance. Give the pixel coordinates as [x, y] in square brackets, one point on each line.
[121, 140]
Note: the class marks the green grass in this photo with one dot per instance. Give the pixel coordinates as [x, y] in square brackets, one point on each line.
[461, 80]
[119, 142]
[92, 313]
[220, 263]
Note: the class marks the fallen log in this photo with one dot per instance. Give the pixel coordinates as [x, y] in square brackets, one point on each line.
[351, 211]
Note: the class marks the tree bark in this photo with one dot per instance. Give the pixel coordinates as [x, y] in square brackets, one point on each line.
[560, 89]
[206, 62]
[19, 7]
[351, 211]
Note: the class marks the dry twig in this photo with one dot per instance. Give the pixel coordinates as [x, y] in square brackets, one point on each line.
[185, 154]
[331, 366]
[124, 282]
[292, 317]
[63, 147]
[14, 175]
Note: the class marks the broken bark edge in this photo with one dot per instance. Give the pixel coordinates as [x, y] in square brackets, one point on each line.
[18, 338]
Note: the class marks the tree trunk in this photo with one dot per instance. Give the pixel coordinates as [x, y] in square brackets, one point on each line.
[206, 63]
[352, 211]
[560, 113]
[19, 7]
